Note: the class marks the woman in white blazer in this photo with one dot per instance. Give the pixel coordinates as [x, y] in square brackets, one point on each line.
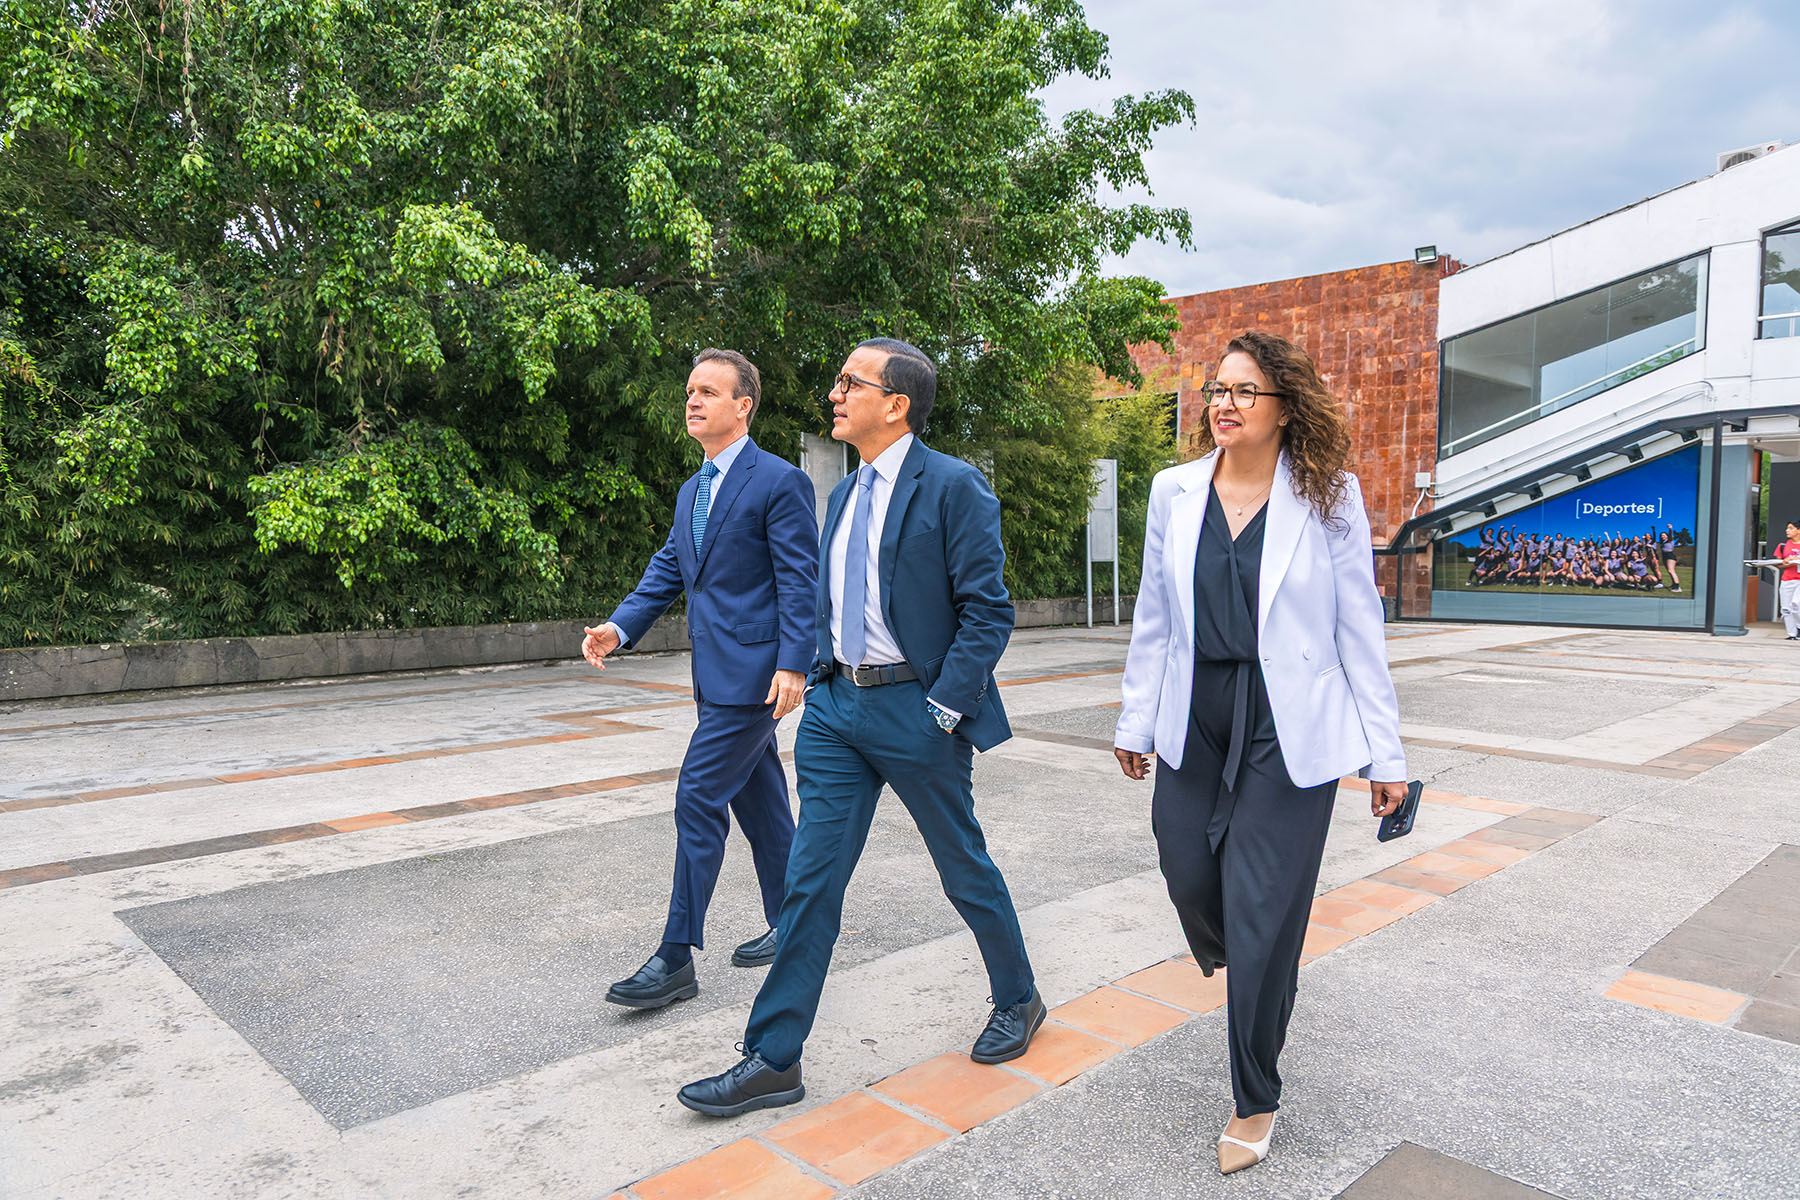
[1258, 676]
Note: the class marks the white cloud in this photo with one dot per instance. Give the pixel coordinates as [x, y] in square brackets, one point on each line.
[1334, 135]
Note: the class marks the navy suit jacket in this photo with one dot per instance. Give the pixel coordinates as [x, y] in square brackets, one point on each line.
[750, 590]
[943, 594]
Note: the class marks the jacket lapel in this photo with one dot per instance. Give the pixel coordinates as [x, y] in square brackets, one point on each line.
[684, 529]
[906, 483]
[719, 508]
[1187, 513]
[1281, 534]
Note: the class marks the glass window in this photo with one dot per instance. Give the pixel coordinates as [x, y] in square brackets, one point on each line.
[1781, 283]
[1510, 374]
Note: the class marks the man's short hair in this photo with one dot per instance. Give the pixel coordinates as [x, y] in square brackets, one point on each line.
[908, 369]
[749, 378]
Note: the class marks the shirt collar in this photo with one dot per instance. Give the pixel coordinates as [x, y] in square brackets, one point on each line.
[724, 458]
[887, 463]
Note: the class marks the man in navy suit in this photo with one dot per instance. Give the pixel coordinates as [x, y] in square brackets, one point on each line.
[911, 618]
[744, 548]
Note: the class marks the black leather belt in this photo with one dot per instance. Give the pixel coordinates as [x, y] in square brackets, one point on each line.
[875, 676]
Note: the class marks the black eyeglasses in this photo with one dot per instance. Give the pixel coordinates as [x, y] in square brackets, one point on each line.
[1242, 395]
[846, 381]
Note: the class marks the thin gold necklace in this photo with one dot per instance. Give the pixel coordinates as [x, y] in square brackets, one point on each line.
[1239, 511]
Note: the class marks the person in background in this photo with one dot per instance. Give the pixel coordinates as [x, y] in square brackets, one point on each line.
[1258, 677]
[744, 547]
[1788, 592]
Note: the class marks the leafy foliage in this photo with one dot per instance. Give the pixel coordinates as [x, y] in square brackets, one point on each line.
[1043, 476]
[367, 313]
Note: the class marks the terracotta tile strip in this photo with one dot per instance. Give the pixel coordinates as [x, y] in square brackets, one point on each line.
[742, 1170]
[207, 714]
[855, 1137]
[595, 723]
[958, 1091]
[1676, 996]
[1727, 744]
[858, 1136]
[100, 863]
[1659, 770]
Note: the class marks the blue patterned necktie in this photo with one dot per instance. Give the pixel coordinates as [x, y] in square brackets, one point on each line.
[702, 502]
[856, 569]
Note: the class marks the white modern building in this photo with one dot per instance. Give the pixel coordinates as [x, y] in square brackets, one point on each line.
[1608, 393]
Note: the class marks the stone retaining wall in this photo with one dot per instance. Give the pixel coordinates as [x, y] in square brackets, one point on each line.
[56, 671]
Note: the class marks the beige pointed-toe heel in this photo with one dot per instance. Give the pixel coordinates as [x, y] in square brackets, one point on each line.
[1235, 1154]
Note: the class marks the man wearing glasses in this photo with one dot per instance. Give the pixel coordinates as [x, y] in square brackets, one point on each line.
[743, 548]
[912, 616]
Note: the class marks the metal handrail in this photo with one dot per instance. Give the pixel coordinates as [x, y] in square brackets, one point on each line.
[1737, 419]
[1449, 446]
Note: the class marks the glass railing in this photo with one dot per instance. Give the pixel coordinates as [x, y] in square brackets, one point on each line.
[1509, 374]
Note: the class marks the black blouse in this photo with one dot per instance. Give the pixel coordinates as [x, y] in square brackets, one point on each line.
[1226, 574]
[1226, 577]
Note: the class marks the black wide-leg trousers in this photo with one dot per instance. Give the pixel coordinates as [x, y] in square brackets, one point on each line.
[1244, 904]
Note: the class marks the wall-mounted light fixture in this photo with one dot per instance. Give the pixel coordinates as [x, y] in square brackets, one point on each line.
[1535, 492]
[1425, 255]
[1583, 473]
[1634, 452]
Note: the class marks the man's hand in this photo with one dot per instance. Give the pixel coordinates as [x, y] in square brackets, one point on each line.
[1135, 765]
[1386, 798]
[599, 643]
[785, 692]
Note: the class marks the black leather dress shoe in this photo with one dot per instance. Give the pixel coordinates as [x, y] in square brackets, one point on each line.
[750, 1085]
[1009, 1030]
[757, 952]
[655, 985]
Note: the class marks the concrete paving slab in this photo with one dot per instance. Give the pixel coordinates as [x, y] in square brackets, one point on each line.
[1412, 1172]
[1478, 1026]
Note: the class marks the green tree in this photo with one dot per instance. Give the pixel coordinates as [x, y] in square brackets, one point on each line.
[363, 313]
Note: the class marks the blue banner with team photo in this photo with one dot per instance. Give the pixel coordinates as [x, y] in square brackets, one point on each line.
[1628, 534]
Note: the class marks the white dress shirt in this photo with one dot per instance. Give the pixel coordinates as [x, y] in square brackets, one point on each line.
[882, 649]
[722, 460]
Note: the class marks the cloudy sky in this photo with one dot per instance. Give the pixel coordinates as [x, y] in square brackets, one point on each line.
[1340, 133]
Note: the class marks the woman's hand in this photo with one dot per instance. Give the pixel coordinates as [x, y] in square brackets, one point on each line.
[1385, 798]
[1137, 766]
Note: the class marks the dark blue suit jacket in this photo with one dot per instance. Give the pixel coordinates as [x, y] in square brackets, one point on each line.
[750, 592]
[943, 594]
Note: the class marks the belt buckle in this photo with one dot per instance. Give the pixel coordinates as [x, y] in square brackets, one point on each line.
[873, 676]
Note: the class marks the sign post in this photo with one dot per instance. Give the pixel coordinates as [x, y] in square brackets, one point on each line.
[1103, 530]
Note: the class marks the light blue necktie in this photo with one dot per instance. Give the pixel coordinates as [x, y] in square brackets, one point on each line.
[703, 501]
[856, 569]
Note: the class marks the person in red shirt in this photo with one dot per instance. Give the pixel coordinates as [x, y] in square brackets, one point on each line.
[1789, 553]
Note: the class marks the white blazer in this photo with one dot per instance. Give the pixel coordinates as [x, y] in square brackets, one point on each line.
[1318, 624]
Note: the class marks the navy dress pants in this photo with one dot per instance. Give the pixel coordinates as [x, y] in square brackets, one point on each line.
[852, 740]
[1245, 905]
[732, 766]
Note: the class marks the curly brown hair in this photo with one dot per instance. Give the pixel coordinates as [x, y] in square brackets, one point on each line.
[1316, 437]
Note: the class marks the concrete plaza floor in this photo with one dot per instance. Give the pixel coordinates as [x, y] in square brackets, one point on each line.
[350, 938]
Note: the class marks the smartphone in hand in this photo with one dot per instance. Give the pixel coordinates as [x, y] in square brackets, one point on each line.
[1399, 823]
